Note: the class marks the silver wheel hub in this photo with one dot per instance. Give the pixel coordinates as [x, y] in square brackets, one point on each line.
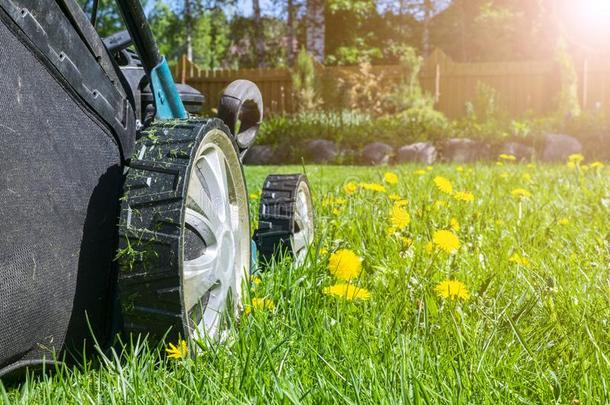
[216, 246]
[303, 223]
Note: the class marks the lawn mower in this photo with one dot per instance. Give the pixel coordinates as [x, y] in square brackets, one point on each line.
[122, 213]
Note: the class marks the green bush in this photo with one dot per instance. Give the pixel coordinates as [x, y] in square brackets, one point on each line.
[353, 129]
[304, 83]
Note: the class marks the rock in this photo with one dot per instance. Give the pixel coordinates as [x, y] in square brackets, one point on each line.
[286, 153]
[320, 151]
[518, 150]
[423, 152]
[463, 150]
[596, 146]
[259, 155]
[557, 147]
[376, 153]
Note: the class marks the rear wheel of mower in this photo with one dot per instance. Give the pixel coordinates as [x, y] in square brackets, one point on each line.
[285, 217]
[185, 233]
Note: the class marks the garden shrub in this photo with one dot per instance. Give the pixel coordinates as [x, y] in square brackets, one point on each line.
[353, 129]
[408, 93]
[568, 105]
[363, 90]
[304, 87]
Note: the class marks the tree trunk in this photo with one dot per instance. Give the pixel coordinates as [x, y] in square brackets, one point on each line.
[259, 40]
[426, 31]
[315, 29]
[292, 37]
[188, 26]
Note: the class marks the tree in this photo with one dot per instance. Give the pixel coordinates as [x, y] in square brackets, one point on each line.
[108, 19]
[188, 26]
[292, 46]
[167, 27]
[259, 40]
[315, 36]
[350, 33]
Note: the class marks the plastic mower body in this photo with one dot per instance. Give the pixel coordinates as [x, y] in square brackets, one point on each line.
[122, 213]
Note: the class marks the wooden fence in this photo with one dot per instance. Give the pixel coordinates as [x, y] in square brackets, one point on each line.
[522, 87]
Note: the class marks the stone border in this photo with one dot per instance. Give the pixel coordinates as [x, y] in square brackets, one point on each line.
[550, 148]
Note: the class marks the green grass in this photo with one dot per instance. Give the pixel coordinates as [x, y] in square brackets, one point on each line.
[528, 334]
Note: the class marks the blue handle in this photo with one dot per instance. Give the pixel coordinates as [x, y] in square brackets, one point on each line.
[167, 99]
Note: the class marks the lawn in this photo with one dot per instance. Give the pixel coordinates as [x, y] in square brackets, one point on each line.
[510, 304]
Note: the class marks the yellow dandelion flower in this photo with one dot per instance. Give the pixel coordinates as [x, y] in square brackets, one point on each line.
[259, 304]
[179, 351]
[347, 291]
[507, 156]
[390, 178]
[394, 197]
[459, 169]
[256, 280]
[576, 158]
[597, 165]
[443, 184]
[499, 163]
[255, 196]
[429, 248]
[399, 217]
[464, 196]
[345, 264]
[406, 241]
[526, 177]
[452, 289]
[390, 231]
[521, 193]
[520, 260]
[563, 221]
[429, 168]
[504, 175]
[419, 172]
[455, 225]
[571, 165]
[350, 187]
[584, 168]
[446, 240]
[401, 203]
[373, 187]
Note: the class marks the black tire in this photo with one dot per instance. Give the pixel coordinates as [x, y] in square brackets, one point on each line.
[282, 218]
[155, 241]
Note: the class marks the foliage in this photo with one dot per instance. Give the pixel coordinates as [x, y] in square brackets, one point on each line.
[242, 52]
[210, 34]
[304, 84]
[363, 90]
[485, 119]
[290, 129]
[108, 18]
[168, 29]
[408, 93]
[423, 123]
[353, 129]
[568, 105]
[349, 39]
[517, 314]
[211, 39]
